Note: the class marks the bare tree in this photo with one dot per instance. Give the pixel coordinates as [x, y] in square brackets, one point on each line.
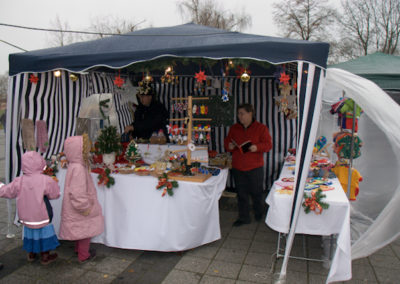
[304, 19]
[100, 27]
[3, 86]
[60, 38]
[373, 25]
[208, 13]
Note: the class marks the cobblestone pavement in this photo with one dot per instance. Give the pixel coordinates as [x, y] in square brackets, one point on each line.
[243, 255]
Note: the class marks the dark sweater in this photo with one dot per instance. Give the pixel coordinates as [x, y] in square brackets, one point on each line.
[149, 119]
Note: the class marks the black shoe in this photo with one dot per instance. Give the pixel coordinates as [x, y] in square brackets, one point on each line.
[240, 222]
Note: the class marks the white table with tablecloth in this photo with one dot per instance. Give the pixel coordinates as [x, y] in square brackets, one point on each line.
[334, 220]
[138, 217]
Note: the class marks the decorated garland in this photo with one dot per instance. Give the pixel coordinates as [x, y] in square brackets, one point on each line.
[105, 178]
[166, 185]
[314, 203]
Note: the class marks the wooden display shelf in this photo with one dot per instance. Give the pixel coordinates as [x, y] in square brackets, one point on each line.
[194, 178]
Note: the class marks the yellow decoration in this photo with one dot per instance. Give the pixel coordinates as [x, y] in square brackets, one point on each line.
[245, 77]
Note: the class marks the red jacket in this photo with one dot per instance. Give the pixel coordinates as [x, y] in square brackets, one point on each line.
[259, 135]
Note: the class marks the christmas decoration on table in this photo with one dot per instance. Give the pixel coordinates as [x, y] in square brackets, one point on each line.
[166, 185]
[105, 178]
[132, 153]
[33, 79]
[314, 202]
[51, 168]
[108, 140]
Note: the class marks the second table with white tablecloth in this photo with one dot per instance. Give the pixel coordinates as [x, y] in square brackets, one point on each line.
[334, 220]
[138, 217]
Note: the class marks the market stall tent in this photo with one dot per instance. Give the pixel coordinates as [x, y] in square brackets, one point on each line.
[57, 100]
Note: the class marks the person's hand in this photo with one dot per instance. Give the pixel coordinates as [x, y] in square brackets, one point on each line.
[86, 212]
[253, 148]
[128, 128]
[231, 146]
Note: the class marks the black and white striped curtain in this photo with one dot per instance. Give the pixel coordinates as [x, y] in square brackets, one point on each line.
[57, 101]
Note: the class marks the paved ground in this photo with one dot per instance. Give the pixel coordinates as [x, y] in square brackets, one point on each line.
[243, 255]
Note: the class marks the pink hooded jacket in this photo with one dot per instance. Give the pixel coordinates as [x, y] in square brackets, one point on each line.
[79, 196]
[30, 189]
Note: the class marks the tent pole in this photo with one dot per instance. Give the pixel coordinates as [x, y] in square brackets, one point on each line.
[351, 150]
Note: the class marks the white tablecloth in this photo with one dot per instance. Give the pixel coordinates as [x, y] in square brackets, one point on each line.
[137, 217]
[334, 220]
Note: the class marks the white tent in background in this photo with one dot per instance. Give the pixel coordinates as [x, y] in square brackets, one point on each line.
[375, 214]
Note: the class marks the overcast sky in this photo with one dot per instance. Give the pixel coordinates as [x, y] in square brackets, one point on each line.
[79, 14]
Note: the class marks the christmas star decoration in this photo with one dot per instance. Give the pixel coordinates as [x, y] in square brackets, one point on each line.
[200, 77]
[284, 78]
[33, 79]
[118, 81]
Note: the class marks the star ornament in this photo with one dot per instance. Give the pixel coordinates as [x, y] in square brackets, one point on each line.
[118, 81]
[284, 78]
[33, 79]
[200, 77]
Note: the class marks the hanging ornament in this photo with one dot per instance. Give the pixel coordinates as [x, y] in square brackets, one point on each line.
[33, 79]
[73, 77]
[284, 79]
[245, 77]
[118, 81]
[148, 79]
[200, 77]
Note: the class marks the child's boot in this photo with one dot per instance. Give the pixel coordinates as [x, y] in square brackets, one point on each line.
[48, 257]
[31, 256]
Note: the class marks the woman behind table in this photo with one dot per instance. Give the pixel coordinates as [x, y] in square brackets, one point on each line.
[81, 215]
[29, 190]
[248, 162]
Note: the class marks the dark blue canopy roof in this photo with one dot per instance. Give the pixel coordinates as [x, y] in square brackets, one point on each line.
[187, 40]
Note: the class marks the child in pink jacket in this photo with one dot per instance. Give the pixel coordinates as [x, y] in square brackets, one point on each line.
[81, 215]
[29, 190]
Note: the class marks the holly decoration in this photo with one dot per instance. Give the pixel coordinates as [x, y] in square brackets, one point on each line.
[166, 185]
[314, 202]
[105, 178]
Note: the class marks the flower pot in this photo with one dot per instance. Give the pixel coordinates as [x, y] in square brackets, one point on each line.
[109, 159]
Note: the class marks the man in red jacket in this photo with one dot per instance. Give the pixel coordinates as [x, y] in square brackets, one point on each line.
[248, 140]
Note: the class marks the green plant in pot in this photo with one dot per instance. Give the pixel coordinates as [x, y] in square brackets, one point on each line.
[108, 144]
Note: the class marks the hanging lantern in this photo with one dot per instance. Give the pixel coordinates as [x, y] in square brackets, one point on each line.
[57, 73]
[245, 77]
[73, 77]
